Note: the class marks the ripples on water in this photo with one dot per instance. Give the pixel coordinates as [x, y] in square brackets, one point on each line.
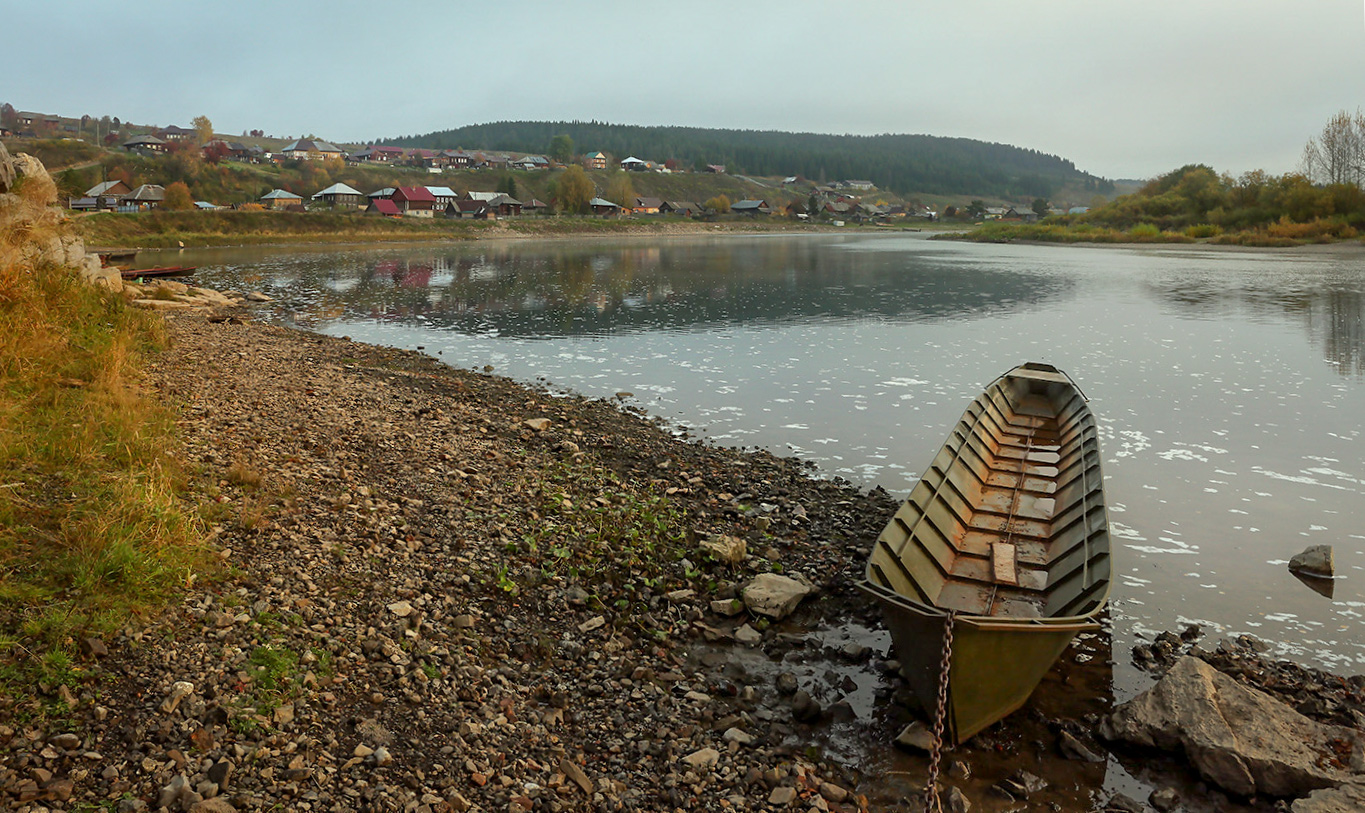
[1228, 385]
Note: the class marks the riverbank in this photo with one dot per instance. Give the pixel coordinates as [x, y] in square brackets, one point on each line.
[152, 230]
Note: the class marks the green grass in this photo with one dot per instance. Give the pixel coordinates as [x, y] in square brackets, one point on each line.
[93, 525]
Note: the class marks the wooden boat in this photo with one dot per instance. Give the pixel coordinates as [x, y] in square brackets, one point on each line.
[160, 271]
[1007, 529]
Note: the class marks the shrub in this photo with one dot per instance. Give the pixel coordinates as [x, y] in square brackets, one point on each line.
[1203, 230]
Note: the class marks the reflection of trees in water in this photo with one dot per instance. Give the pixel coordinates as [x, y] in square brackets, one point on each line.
[1332, 316]
[578, 290]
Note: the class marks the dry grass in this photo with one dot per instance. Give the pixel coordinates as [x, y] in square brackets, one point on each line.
[91, 522]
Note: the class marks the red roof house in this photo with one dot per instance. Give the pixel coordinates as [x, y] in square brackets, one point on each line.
[415, 201]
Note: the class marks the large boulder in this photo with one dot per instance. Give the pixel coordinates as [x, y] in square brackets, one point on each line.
[1349, 798]
[1238, 738]
[1316, 560]
[6, 170]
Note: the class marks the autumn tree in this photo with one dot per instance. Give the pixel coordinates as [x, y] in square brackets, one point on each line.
[720, 204]
[178, 198]
[1039, 207]
[573, 191]
[620, 190]
[1338, 154]
[9, 118]
[203, 130]
[561, 148]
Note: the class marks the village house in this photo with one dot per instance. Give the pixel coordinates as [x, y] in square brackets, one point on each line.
[633, 164]
[309, 149]
[280, 199]
[174, 133]
[486, 197]
[383, 206]
[458, 159]
[534, 206]
[603, 208]
[751, 207]
[444, 196]
[857, 184]
[531, 162]
[145, 144]
[505, 206]
[716, 169]
[646, 206]
[493, 161]
[468, 209]
[595, 160]
[339, 195]
[414, 201]
[385, 194]
[377, 155]
[684, 208]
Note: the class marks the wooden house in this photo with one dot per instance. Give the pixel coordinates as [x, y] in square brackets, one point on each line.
[414, 201]
[373, 154]
[646, 206]
[280, 199]
[308, 149]
[444, 196]
[471, 209]
[683, 208]
[383, 206]
[750, 207]
[145, 144]
[603, 207]
[595, 160]
[340, 195]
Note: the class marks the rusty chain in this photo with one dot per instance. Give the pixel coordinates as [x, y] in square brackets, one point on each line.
[931, 799]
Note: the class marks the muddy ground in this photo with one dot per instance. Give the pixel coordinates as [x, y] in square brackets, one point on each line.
[442, 590]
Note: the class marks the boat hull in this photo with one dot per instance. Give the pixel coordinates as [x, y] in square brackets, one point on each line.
[1007, 530]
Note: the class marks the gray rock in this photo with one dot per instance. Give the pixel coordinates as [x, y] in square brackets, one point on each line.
[702, 758]
[957, 800]
[774, 595]
[257, 296]
[805, 709]
[220, 773]
[1316, 560]
[1240, 739]
[1073, 748]
[787, 684]
[215, 805]
[6, 170]
[748, 636]
[1118, 803]
[916, 737]
[782, 796]
[1164, 799]
[1349, 798]
[579, 777]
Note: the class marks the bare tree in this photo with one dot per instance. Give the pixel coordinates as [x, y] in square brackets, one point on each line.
[1338, 155]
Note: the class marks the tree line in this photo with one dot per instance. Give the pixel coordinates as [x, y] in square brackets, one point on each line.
[904, 164]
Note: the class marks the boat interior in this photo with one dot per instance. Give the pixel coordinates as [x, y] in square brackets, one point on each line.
[1009, 520]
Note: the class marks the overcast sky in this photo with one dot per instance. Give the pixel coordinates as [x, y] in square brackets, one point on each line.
[1123, 89]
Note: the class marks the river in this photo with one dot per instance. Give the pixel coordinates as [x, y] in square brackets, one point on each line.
[1229, 384]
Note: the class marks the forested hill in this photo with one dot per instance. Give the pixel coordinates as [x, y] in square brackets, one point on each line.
[906, 164]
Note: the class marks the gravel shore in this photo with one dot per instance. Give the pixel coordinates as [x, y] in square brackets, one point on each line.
[435, 595]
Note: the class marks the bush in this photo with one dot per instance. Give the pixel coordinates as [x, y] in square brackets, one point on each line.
[1203, 230]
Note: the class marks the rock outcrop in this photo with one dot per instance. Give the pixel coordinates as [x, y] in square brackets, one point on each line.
[1238, 738]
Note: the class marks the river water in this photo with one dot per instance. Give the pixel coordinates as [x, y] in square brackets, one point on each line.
[1229, 385]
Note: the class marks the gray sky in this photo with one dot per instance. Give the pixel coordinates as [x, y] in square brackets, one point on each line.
[1123, 89]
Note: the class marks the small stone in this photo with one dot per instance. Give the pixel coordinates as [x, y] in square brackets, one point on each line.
[463, 621]
[1073, 748]
[537, 424]
[576, 774]
[1164, 799]
[703, 758]
[215, 805]
[220, 773]
[284, 715]
[805, 709]
[257, 296]
[833, 792]
[66, 742]
[748, 636]
[596, 622]
[402, 609]
[93, 648]
[774, 595]
[958, 801]
[382, 757]
[59, 790]
[202, 739]
[1118, 803]
[916, 737]
[179, 691]
[787, 684]
[782, 796]
[730, 550]
[737, 735]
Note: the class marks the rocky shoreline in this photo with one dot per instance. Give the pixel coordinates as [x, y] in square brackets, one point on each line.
[438, 589]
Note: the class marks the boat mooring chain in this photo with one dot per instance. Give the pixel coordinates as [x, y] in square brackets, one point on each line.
[931, 800]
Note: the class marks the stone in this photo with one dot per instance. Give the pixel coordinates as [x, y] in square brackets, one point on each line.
[774, 595]
[727, 607]
[730, 550]
[805, 709]
[576, 774]
[1164, 799]
[596, 622]
[66, 742]
[1315, 560]
[957, 800]
[702, 758]
[382, 757]
[916, 737]
[179, 691]
[1023, 785]
[748, 636]
[787, 684]
[537, 424]
[215, 805]
[6, 170]
[257, 296]
[1118, 803]
[782, 796]
[402, 609]
[1349, 798]
[1072, 748]
[220, 773]
[832, 792]
[1238, 738]
[737, 735]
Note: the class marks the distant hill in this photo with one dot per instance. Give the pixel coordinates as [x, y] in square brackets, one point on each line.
[905, 164]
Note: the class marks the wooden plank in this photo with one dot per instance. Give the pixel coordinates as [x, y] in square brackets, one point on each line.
[1003, 564]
